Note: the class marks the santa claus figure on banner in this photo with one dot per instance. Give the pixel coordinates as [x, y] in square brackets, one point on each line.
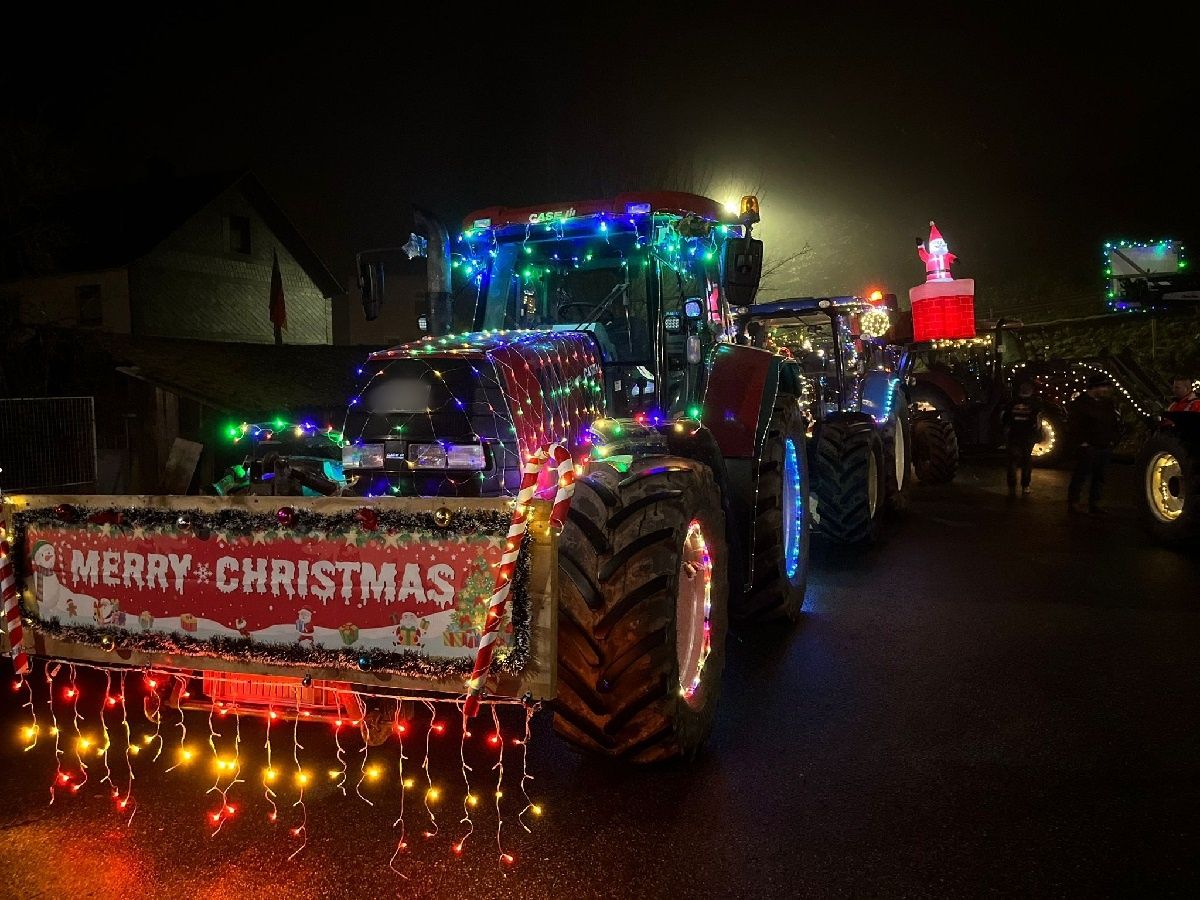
[305, 628]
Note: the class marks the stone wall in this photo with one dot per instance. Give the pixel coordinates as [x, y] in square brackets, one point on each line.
[1166, 344]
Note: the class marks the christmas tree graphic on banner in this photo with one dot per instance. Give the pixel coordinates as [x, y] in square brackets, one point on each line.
[470, 607]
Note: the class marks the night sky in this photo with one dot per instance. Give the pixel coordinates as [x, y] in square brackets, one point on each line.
[1029, 135]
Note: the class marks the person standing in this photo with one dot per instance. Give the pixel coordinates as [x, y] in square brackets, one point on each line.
[1022, 425]
[1183, 395]
[1093, 425]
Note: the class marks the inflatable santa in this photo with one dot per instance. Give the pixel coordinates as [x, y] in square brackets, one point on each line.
[944, 306]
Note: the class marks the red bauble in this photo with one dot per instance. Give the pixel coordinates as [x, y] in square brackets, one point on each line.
[66, 512]
[286, 516]
[368, 518]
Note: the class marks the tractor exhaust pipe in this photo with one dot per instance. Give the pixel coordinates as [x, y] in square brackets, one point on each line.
[441, 307]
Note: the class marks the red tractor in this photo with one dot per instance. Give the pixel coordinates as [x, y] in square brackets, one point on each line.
[607, 325]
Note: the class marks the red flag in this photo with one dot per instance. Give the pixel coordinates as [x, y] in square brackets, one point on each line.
[278, 307]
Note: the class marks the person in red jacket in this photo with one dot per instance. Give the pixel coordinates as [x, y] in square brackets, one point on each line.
[1183, 389]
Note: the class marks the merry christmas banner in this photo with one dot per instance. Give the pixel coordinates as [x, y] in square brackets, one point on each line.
[388, 589]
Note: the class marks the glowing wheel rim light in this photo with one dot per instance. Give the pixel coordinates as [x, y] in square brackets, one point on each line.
[1045, 446]
[693, 611]
[793, 505]
[1164, 487]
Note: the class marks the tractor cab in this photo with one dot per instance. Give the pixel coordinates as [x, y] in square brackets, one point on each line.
[646, 277]
[834, 343]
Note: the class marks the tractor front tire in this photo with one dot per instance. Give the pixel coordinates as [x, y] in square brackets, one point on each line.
[643, 610]
[1170, 477]
[849, 481]
[935, 449]
[781, 529]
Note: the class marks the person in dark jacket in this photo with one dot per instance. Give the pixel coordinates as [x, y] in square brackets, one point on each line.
[1093, 425]
[1022, 426]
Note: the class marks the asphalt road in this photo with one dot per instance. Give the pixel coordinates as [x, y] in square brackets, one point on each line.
[996, 699]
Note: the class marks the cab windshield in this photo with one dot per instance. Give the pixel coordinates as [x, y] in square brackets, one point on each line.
[559, 282]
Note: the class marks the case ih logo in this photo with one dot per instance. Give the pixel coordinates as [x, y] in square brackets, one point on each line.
[550, 215]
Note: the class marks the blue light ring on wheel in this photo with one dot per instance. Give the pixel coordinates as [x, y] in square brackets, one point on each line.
[793, 508]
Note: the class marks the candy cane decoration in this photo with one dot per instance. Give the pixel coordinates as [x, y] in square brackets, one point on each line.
[12, 611]
[498, 605]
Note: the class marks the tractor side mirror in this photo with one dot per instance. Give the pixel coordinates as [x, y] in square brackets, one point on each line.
[370, 286]
[743, 269]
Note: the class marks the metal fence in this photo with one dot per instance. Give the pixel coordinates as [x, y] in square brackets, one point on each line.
[47, 442]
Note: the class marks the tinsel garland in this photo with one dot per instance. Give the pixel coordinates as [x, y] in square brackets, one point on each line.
[406, 663]
[305, 521]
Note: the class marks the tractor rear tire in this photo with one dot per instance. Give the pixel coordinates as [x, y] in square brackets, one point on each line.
[641, 642]
[849, 481]
[935, 449]
[1169, 470]
[780, 534]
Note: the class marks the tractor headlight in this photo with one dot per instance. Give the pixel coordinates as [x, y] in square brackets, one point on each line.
[447, 456]
[362, 456]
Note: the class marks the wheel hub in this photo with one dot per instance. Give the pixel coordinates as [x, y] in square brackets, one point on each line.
[1046, 444]
[693, 611]
[1164, 487]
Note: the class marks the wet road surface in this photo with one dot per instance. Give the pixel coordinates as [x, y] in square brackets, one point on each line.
[993, 699]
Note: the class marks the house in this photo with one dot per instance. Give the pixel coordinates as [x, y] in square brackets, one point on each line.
[179, 258]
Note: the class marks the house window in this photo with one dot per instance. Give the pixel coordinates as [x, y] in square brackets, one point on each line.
[87, 300]
[239, 234]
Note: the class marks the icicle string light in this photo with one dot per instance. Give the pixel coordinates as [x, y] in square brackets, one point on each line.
[402, 840]
[225, 751]
[300, 831]
[362, 767]
[60, 777]
[102, 750]
[530, 806]
[431, 792]
[506, 858]
[469, 799]
[131, 749]
[269, 774]
[32, 730]
[81, 743]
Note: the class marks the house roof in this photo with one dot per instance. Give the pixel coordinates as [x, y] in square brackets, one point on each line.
[111, 227]
[250, 382]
